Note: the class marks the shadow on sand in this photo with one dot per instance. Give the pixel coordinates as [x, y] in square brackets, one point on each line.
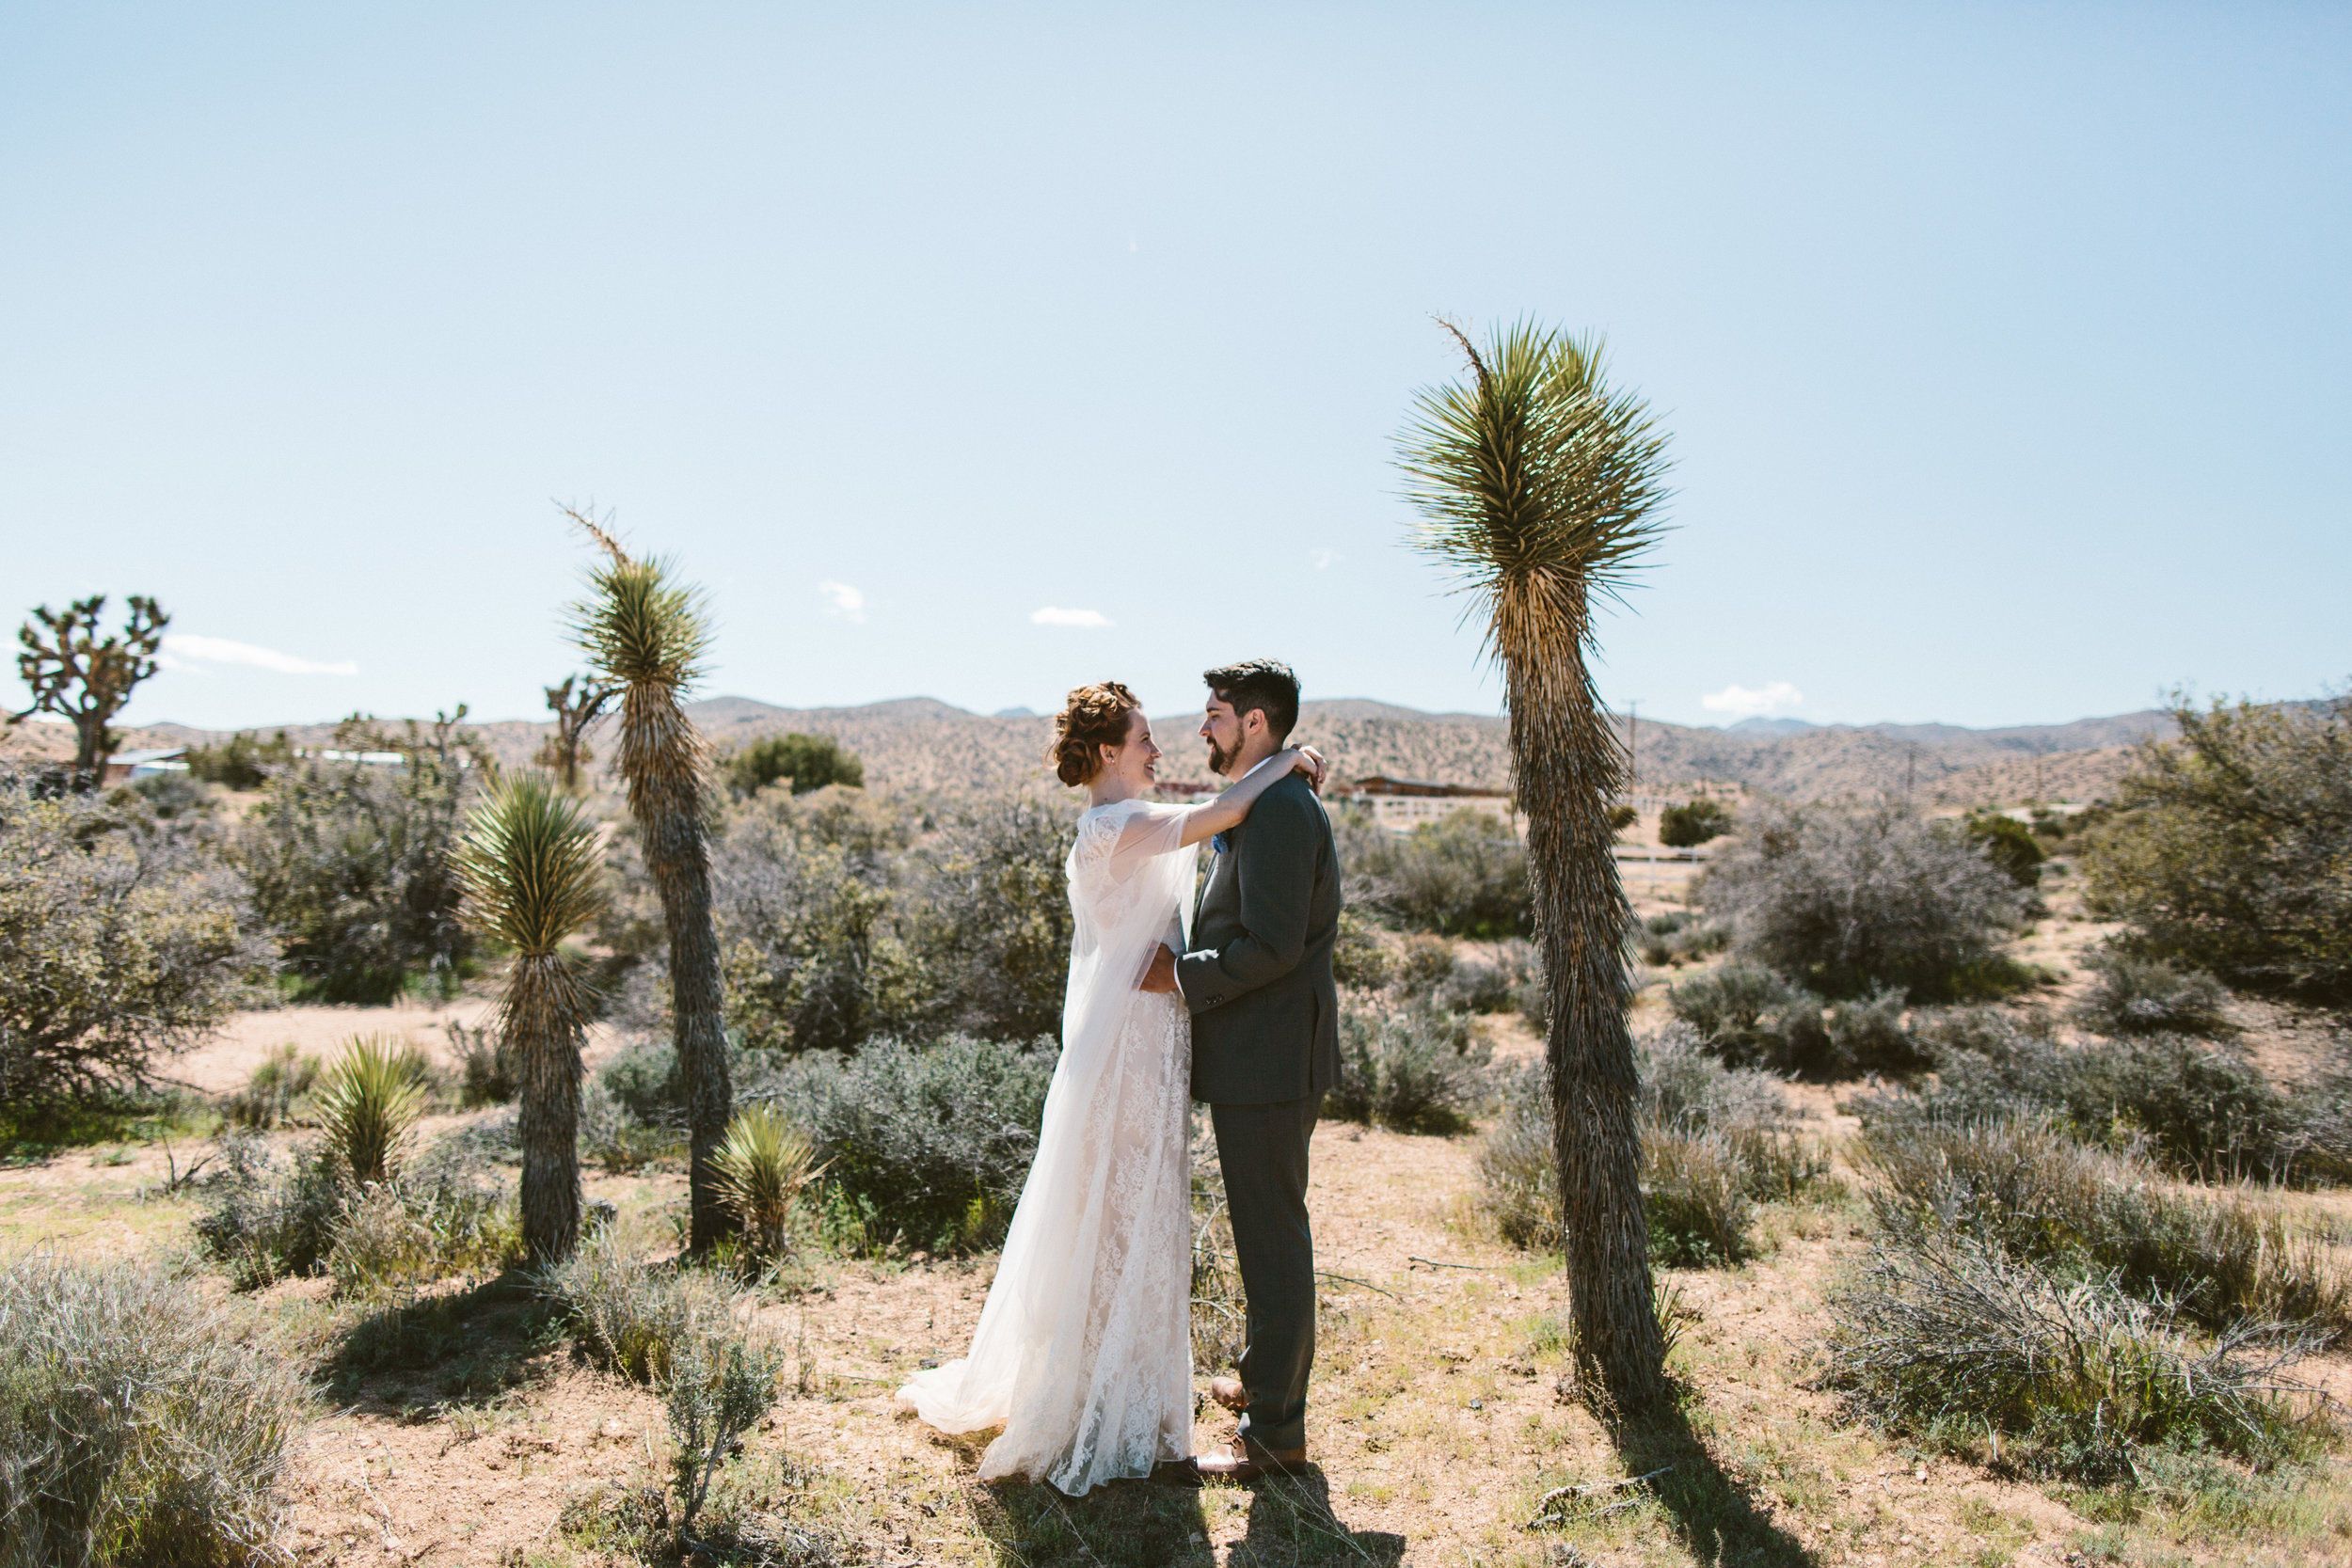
[1714, 1516]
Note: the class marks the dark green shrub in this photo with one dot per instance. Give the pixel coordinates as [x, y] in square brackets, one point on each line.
[2027, 1187]
[2151, 996]
[1870, 1037]
[2009, 844]
[173, 795]
[1676, 937]
[1414, 1069]
[487, 1073]
[1713, 1139]
[351, 867]
[807, 761]
[987, 917]
[642, 1079]
[269, 1216]
[1358, 960]
[2199, 1108]
[806, 918]
[1464, 875]
[243, 761]
[923, 1146]
[1622, 817]
[1692, 823]
[1855, 901]
[119, 946]
[1750, 1016]
[2230, 850]
[141, 1420]
[1954, 1342]
[1491, 984]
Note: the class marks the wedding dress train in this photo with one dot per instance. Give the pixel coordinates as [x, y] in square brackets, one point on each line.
[1083, 1349]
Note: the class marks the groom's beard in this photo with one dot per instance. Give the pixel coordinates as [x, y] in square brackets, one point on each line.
[1220, 759]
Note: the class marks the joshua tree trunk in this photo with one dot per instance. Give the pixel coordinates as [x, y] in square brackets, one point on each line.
[540, 1022]
[679, 863]
[1567, 767]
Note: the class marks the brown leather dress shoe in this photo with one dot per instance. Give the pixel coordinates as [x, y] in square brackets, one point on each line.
[1228, 1392]
[1246, 1462]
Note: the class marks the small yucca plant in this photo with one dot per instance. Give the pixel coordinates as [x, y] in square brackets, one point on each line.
[531, 876]
[369, 1102]
[760, 1169]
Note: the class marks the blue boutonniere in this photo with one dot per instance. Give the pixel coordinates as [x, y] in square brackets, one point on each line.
[1217, 841]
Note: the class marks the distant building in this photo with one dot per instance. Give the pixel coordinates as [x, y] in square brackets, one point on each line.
[1402, 804]
[125, 766]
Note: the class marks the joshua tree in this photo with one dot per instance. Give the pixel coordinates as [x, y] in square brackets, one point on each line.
[644, 634]
[532, 876]
[1539, 486]
[74, 676]
[564, 751]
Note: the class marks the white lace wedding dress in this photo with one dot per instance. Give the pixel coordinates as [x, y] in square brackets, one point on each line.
[1083, 1349]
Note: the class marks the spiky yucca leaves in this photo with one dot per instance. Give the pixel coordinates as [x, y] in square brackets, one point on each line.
[762, 1167]
[369, 1102]
[1539, 487]
[646, 633]
[532, 876]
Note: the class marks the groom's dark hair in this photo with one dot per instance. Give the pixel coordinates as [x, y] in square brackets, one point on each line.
[1264, 684]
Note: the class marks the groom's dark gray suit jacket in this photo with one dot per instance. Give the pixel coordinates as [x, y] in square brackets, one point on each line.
[1265, 1011]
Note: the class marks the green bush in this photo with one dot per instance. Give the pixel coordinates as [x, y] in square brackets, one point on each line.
[633, 1317]
[140, 1421]
[924, 1146]
[2026, 1187]
[1493, 984]
[243, 762]
[119, 946]
[1713, 1139]
[487, 1073]
[440, 1217]
[2230, 848]
[1415, 1069]
[1850, 902]
[283, 1080]
[2009, 844]
[2199, 1108]
[1957, 1343]
[1692, 823]
[1676, 937]
[1750, 1016]
[1358, 960]
[1464, 875]
[988, 917]
[350, 867]
[2134, 995]
[267, 1216]
[806, 762]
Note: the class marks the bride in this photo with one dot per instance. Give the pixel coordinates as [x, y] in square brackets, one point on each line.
[1084, 1349]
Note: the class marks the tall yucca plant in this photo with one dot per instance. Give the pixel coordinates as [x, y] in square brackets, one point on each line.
[646, 633]
[532, 876]
[1539, 486]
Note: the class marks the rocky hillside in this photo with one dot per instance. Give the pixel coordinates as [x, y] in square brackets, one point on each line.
[919, 743]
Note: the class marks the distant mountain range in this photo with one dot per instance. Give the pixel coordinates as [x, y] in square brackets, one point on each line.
[919, 743]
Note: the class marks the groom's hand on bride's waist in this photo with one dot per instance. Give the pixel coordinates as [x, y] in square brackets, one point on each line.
[1161, 975]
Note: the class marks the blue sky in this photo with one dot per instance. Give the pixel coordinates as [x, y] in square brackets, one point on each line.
[2004, 348]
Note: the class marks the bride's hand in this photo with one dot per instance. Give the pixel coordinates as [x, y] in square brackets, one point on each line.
[1306, 760]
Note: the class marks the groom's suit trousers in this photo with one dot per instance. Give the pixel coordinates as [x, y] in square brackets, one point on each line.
[1263, 1149]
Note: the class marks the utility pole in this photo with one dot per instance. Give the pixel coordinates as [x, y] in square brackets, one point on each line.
[1633, 744]
[1911, 764]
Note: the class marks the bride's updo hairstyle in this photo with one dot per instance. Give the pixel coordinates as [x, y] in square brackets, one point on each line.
[1092, 716]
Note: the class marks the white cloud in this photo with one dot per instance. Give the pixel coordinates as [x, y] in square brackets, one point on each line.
[1741, 702]
[848, 602]
[1324, 558]
[192, 650]
[1049, 616]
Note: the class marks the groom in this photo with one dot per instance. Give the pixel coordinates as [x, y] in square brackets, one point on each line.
[1265, 1044]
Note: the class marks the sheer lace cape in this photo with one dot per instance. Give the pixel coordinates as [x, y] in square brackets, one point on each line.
[1084, 1347]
